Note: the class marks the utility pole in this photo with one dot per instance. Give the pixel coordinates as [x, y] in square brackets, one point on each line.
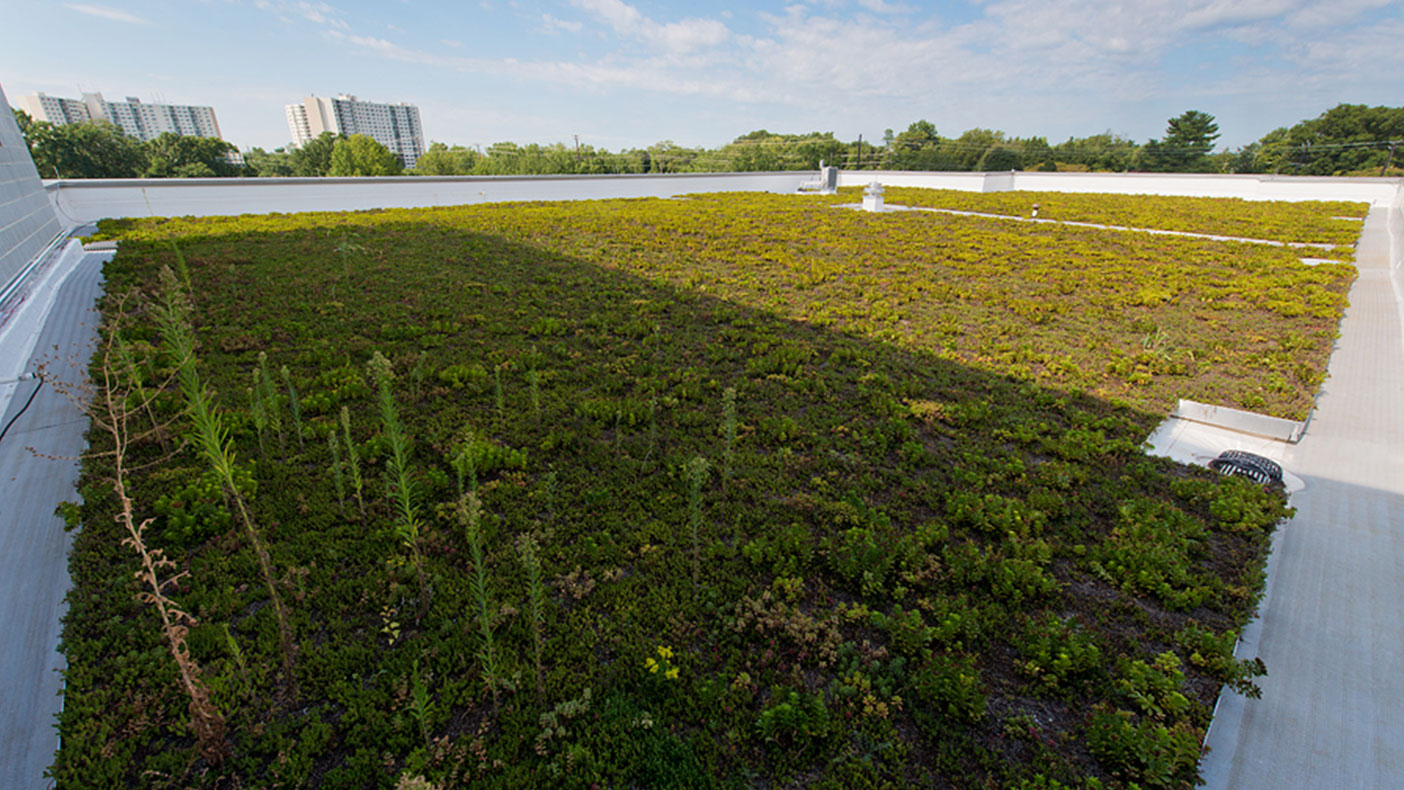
[1388, 159]
[577, 148]
[860, 153]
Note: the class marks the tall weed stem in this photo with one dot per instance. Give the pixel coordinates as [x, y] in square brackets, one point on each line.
[353, 460]
[529, 552]
[407, 526]
[696, 476]
[295, 406]
[470, 512]
[212, 442]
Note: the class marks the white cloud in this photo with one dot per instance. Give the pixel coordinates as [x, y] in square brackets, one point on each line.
[881, 7]
[321, 13]
[448, 42]
[107, 12]
[1028, 66]
[1317, 15]
[552, 24]
[682, 37]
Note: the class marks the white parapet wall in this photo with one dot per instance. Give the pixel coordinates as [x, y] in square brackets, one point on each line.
[82, 201]
[79, 202]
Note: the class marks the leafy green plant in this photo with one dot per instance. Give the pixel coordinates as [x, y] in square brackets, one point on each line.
[534, 387]
[402, 488]
[1059, 656]
[497, 402]
[470, 513]
[1155, 688]
[272, 407]
[1152, 550]
[794, 720]
[196, 511]
[1148, 752]
[338, 476]
[475, 454]
[529, 552]
[858, 558]
[258, 414]
[909, 633]
[697, 470]
[459, 376]
[294, 405]
[949, 687]
[420, 705]
[353, 460]
[728, 433]
[1214, 654]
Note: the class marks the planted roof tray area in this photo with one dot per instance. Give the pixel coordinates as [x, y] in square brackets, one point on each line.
[724, 491]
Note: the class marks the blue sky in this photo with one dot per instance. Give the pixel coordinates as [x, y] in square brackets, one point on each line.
[623, 73]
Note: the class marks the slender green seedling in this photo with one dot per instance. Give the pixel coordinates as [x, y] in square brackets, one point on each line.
[296, 407]
[258, 414]
[497, 389]
[534, 382]
[728, 432]
[529, 552]
[652, 427]
[334, 443]
[353, 460]
[696, 476]
[270, 402]
[402, 489]
[212, 441]
[419, 692]
[470, 513]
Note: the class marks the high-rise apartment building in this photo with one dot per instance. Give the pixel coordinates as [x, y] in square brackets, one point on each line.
[142, 121]
[395, 126]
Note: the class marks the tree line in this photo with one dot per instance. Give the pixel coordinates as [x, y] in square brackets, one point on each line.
[1349, 139]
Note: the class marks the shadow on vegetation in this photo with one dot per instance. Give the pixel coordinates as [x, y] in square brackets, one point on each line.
[910, 570]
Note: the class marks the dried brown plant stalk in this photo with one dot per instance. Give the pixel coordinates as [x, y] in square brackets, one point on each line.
[109, 410]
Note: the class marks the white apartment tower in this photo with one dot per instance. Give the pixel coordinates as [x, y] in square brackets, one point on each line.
[142, 121]
[395, 126]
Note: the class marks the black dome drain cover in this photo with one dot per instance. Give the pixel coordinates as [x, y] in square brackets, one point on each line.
[1254, 467]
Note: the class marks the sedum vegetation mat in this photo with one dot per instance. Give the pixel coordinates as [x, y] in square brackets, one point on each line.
[724, 491]
[1307, 222]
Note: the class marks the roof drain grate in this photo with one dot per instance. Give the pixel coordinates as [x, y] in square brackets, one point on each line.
[1254, 467]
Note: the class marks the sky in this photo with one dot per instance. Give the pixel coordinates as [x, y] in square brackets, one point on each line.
[623, 74]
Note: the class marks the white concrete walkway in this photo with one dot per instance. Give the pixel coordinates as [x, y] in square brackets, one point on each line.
[1332, 624]
[33, 545]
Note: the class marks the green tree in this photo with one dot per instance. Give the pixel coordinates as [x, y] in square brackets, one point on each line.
[1188, 140]
[441, 160]
[314, 158]
[971, 146]
[1193, 130]
[277, 163]
[23, 120]
[1000, 157]
[918, 148]
[1106, 152]
[1346, 139]
[360, 155]
[97, 149]
[171, 155]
